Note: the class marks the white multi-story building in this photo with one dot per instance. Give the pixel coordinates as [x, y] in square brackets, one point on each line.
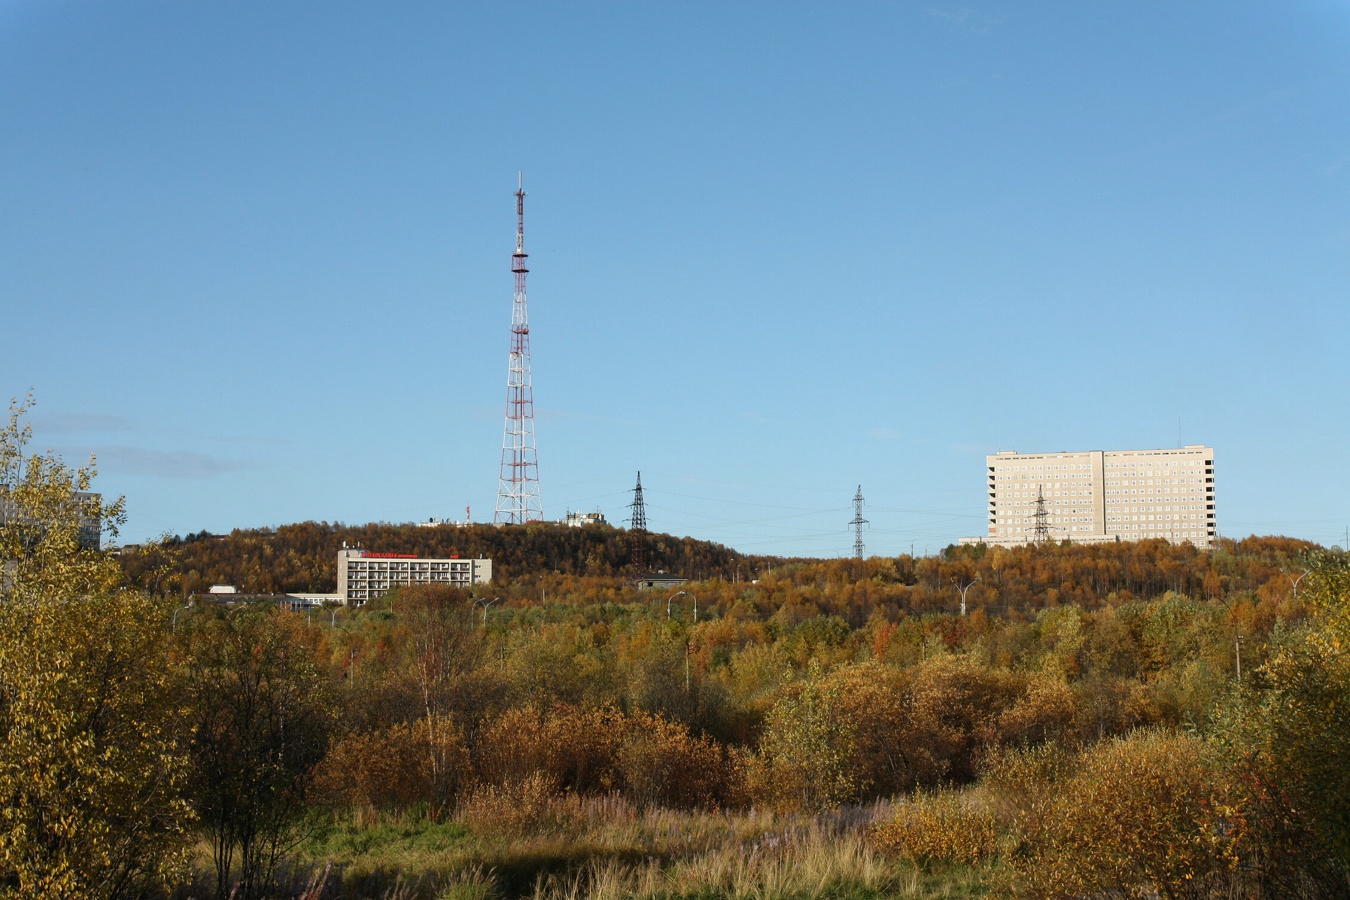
[363, 575]
[1102, 495]
[86, 504]
[581, 519]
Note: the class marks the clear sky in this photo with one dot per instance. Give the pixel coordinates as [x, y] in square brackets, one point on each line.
[256, 255]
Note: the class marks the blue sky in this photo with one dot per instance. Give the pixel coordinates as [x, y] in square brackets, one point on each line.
[256, 256]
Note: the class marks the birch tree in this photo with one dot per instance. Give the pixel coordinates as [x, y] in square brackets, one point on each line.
[91, 768]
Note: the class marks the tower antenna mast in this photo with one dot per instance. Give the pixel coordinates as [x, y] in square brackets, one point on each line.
[858, 523]
[518, 499]
[638, 530]
[1040, 519]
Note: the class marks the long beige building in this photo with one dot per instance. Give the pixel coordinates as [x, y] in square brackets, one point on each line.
[363, 575]
[1101, 495]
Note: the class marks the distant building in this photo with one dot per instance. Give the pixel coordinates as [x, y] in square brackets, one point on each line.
[229, 595]
[91, 528]
[578, 519]
[659, 580]
[363, 575]
[1098, 496]
[302, 602]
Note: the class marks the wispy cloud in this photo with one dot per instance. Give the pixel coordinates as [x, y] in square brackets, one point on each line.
[177, 464]
[964, 18]
[1336, 166]
[241, 438]
[74, 422]
[83, 423]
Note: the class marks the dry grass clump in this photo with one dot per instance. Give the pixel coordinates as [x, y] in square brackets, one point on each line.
[518, 807]
[804, 860]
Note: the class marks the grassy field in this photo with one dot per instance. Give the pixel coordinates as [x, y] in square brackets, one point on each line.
[605, 848]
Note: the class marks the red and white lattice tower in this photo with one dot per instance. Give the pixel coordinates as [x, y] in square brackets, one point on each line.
[518, 490]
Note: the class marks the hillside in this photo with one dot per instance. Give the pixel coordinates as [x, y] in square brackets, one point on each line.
[584, 565]
[302, 557]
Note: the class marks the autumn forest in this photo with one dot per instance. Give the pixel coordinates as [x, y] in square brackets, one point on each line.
[1128, 720]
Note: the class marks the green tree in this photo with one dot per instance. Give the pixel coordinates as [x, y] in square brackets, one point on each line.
[443, 646]
[1290, 744]
[263, 719]
[805, 749]
[91, 767]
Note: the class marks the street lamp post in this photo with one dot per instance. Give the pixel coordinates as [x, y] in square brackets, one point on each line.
[486, 603]
[332, 606]
[963, 588]
[686, 594]
[175, 615]
[687, 648]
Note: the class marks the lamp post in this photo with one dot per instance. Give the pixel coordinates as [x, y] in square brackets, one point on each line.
[175, 615]
[332, 606]
[486, 603]
[963, 588]
[687, 648]
[687, 594]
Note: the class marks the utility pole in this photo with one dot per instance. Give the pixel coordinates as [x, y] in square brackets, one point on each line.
[518, 499]
[858, 523]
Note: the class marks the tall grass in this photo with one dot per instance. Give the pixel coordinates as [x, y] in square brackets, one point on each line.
[604, 847]
[816, 866]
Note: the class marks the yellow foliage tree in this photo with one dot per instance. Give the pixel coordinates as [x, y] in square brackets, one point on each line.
[945, 826]
[663, 764]
[1148, 815]
[91, 768]
[1289, 744]
[805, 750]
[386, 769]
